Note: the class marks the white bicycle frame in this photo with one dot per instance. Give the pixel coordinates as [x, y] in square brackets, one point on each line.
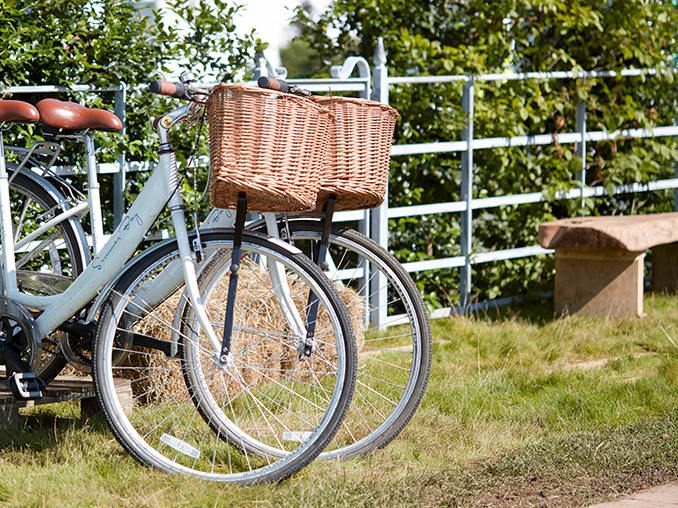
[153, 292]
[162, 188]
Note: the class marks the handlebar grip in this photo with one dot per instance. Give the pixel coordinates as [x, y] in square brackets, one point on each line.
[274, 84]
[176, 90]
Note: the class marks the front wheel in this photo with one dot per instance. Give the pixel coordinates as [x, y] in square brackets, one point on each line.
[392, 328]
[261, 417]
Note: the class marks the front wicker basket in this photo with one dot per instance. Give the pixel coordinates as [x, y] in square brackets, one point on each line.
[267, 144]
[359, 153]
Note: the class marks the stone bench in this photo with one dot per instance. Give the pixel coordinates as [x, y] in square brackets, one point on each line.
[599, 261]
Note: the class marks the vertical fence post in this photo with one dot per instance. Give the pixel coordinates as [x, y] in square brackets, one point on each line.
[260, 67]
[675, 175]
[364, 223]
[379, 216]
[581, 146]
[467, 196]
[119, 178]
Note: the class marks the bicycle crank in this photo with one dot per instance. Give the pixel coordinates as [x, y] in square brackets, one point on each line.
[78, 337]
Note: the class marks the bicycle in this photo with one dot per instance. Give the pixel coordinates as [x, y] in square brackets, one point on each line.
[395, 358]
[269, 427]
[395, 353]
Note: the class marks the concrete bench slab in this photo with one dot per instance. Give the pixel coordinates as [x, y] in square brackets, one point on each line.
[632, 233]
[599, 261]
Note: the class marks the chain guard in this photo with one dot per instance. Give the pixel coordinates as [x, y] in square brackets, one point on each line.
[18, 329]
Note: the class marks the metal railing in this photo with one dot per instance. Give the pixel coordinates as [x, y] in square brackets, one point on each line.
[468, 144]
[375, 83]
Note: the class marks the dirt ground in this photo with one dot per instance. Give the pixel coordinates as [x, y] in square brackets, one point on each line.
[550, 492]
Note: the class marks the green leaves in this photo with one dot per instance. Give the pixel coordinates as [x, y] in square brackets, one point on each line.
[74, 41]
[436, 37]
[209, 45]
[109, 42]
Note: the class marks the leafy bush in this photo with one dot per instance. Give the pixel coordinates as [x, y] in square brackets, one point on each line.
[108, 43]
[436, 37]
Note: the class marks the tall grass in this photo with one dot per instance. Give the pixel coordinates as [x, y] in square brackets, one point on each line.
[521, 408]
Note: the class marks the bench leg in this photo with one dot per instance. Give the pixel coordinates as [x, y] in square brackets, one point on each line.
[599, 283]
[665, 268]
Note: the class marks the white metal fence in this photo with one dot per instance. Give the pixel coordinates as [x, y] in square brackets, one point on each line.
[382, 82]
[375, 83]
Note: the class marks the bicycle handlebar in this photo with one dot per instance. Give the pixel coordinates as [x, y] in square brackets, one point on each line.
[274, 84]
[176, 90]
[182, 91]
[282, 86]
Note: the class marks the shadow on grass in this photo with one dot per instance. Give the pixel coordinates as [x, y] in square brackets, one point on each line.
[533, 310]
[39, 427]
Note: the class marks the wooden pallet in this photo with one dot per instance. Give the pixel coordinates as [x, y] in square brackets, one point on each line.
[62, 389]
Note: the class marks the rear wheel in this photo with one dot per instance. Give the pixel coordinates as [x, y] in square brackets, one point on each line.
[49, 262]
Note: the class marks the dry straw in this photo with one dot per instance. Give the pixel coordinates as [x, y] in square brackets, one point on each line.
[359, 153]
[257, 358]
[267, 144]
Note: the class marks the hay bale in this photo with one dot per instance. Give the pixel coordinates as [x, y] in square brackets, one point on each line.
[258, 358]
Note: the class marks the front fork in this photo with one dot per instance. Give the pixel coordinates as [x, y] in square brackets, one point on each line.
[304, 331]
[301, 328]
[176, 208]
[308, 347]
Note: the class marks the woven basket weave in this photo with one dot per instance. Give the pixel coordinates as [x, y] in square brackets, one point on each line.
[358, 156]
[267, 144]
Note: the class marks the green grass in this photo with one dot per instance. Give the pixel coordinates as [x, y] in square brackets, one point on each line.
[521, 409]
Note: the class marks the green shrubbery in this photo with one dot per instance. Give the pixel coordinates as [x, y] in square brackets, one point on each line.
[436, 37]
[107, 43]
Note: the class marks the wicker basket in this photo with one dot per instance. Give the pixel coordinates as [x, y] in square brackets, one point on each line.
[357, 161]
[267, 144]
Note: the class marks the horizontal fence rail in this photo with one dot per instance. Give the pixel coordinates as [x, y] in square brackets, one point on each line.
[375, 83]
[468, 144]
[537, 139]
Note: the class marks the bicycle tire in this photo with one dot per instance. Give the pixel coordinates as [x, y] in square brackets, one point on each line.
[49, 268]
[239, 423]
[391, 380]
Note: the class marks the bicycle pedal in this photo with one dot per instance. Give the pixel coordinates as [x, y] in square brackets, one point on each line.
[26, 386]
